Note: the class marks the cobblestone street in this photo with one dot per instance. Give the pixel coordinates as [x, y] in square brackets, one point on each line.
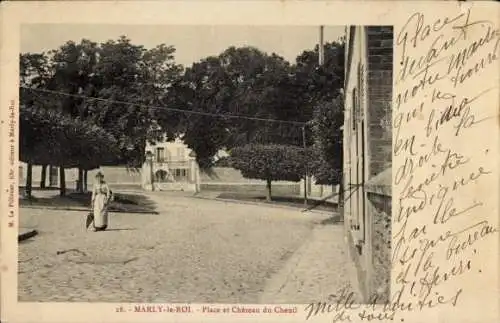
[197, 251]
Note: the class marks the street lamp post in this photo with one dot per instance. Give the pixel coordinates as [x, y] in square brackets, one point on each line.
[321, 59]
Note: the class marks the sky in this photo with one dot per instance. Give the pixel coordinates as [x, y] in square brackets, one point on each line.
[192, 43]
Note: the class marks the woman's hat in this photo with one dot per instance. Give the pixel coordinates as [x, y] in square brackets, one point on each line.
[99, 174]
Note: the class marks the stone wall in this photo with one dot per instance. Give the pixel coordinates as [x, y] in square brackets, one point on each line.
[221, 179]
[227, 179]
[318, 191]
[113, 175]
[379, 151]
[379, 207]
[257, 189]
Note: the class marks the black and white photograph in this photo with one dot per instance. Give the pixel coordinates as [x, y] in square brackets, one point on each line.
[205, 163]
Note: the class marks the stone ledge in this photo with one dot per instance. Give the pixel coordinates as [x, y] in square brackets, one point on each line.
[381, 183]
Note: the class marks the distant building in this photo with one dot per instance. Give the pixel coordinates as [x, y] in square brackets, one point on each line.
[174, 167]
[368, 156]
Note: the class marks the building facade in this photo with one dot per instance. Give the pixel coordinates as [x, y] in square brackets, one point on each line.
[368, 156]
[172, 167]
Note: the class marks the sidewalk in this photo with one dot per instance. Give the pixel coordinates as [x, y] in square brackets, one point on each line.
[321, 267]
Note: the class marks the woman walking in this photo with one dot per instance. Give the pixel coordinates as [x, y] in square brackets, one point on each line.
[101, 195]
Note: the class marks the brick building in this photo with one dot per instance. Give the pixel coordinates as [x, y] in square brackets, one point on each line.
[368, 155]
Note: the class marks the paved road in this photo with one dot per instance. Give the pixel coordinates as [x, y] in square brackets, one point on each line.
[194, 251]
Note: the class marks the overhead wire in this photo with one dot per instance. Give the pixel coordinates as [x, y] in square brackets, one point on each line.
[220, 115]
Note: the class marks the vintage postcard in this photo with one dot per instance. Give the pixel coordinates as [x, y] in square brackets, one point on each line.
[257, 161]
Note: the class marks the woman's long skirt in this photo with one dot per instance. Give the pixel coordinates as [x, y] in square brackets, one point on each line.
[100, 212]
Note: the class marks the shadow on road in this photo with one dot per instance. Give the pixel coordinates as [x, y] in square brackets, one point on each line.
[122, 203]
[335, 220]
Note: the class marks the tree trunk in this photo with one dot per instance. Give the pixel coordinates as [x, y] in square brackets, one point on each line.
[62, 181]
[29, 179]
[79, 186]
[85, 173]
[43, 179]
[269, 196]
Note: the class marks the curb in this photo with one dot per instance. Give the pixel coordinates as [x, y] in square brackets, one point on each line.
[26, 235]
[82, 209]
[262, 204]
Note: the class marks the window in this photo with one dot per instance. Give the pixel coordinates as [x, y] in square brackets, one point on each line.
[160, 154]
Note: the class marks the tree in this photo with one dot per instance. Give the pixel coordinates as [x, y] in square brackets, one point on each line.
[131, 73]
[270, 163]
[320, 83]
[34, 71]
[115, 71]
[74, 74]
[205, 87]
[248, 82]
[328, 119]
[238, 82]
[67, 70]
[49, 137]
[313, 84]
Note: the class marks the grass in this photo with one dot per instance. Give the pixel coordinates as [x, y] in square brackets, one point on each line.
[292, 201]
[127, 203]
